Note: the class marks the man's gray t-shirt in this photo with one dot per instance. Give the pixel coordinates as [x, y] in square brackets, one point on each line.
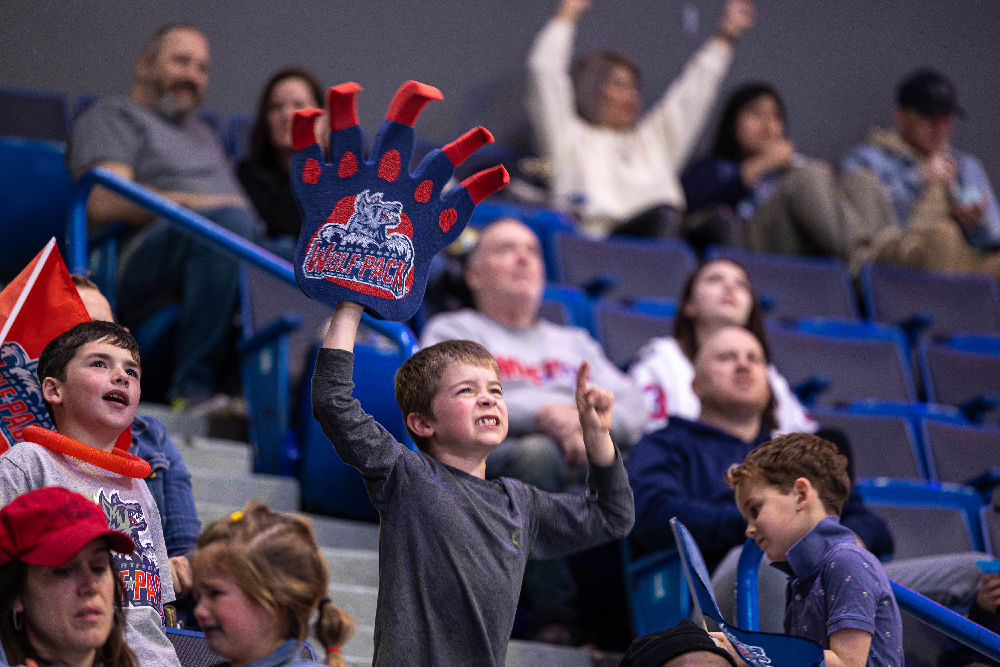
[130, 508]
[453, 547]
[175, 156]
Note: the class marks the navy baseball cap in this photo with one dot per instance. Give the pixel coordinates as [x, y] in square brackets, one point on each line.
[929, 93]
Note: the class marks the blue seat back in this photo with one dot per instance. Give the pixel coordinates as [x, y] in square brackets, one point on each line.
[657, 593]
[796, 287]
[953, 303]
[882, 445]
[330, 486]
[624, 331]
[910, 507]
[34, 114]
[238, 132]
[954, 376]
[960, 452]
[856, 367]
[34, 199]
[632, 268]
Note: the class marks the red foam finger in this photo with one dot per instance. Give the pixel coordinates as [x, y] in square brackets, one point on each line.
[304, 128]
[342, 101]
[467, 144]
[484, 183]
[409, 101]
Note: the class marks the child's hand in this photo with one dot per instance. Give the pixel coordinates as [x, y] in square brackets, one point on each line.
[720, 637]
[594, 405]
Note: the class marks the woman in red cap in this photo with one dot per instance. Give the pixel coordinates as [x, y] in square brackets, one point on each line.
[60, 597]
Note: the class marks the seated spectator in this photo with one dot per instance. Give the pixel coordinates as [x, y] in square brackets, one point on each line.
[264, 172]
[616, 170]
[169, 481]
[537, 362]
[259, 577]
[791, 490]
[684, 645]
[89, 380]
[717, 295]
[156, 139]
[756, 191]
[60, 591]
[947, 218]
[679, 471]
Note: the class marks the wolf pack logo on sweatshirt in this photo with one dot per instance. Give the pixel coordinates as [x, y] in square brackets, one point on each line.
[21, 403]
[139, 571]
[366, 245]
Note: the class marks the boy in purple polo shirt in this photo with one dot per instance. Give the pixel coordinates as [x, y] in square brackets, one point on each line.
[791, 490]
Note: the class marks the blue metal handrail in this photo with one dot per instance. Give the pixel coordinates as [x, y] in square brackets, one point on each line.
[204, 230]
[923, 609]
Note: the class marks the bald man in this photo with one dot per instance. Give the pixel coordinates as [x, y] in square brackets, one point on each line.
[538, 362]
[155, 138]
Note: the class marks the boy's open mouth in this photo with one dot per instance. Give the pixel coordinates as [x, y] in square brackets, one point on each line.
[116, 396]
[488, 422]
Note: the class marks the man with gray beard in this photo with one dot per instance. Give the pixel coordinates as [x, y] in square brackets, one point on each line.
[155, 138]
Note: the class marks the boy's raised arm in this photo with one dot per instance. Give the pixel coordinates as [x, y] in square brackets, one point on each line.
[343, 329]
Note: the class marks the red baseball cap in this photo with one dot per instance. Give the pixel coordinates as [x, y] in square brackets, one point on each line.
[48, 526]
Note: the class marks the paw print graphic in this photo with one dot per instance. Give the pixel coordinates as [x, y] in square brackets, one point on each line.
[370, 228]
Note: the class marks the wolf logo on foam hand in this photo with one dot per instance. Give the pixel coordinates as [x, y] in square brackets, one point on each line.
[21, 401]
[139, 572]
[371, 253]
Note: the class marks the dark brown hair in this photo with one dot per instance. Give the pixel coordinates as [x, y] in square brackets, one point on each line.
[83, 281]
[590, 74]
[684, 325]
[726, 143]
[16, 645]
[419, 378]
[152, 48]
[59, 351]
[781, 461]
[262, 151]
[274, 560]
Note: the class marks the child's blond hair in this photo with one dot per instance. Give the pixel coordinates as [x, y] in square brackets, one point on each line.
[781, 461]
[274, 560]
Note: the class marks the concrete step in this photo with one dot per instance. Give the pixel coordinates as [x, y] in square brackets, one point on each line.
[178, 423]
[535, 654]
[234, 489]
[200, 453]
[357, 567]
[358, 601]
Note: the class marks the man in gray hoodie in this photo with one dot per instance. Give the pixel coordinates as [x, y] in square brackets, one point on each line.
[538, 362]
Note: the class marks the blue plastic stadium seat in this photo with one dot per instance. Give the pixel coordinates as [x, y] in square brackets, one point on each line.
[911, 507]
[796, 287]
[846, 362]
[882, 445]
[624, 269]
[954, 375]
[34, 114]
[36, 189]
[960, 452]
[568, 306]
[657, 590]
[624, 331]
[943, 304]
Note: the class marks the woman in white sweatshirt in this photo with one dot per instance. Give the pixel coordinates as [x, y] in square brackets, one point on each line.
[718, 294]
[610, 165]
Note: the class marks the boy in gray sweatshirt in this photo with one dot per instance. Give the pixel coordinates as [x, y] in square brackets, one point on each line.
[453, 546]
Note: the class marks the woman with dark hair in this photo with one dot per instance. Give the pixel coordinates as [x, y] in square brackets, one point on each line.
[615, 168]
[717, 295]
[60, 594]
[264, 172]
[756, 191]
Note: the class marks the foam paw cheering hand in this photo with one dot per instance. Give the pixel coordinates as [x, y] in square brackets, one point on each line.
[370, 228]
